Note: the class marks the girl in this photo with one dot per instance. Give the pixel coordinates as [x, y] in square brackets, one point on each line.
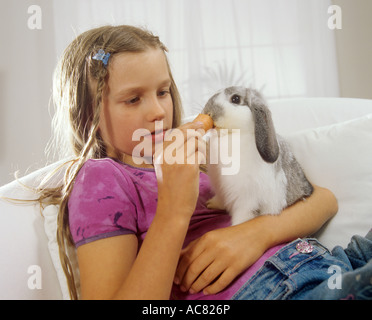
[143, 231]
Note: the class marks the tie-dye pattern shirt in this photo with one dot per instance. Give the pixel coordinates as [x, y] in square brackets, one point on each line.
[110, 198]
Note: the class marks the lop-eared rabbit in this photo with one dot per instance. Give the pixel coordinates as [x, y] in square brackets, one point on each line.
[269, 178]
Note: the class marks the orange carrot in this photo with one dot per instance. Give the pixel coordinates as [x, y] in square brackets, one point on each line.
[207, 121]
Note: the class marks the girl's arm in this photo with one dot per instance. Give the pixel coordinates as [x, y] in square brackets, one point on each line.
[224, 253]
[112, 269]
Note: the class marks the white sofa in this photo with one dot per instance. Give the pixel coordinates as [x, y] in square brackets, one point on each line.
[331, 137]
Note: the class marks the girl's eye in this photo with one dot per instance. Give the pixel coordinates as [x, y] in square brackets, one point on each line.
[163, 92]
[132, 101]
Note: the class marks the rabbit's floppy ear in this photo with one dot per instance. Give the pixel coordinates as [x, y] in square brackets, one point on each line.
[266, 141]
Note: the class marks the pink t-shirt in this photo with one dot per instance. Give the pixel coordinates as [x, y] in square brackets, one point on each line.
[111, 198]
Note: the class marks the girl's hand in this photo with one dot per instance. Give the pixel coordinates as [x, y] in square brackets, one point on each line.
[223, 254]
[177, 168]
[212, 262]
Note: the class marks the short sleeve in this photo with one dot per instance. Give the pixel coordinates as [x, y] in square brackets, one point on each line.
[100, 204]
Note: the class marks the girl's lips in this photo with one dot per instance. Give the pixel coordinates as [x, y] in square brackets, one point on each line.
[158, 136]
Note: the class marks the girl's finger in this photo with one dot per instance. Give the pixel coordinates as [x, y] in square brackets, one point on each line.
[184, 147]
[188, 256]
[196, 149]
[221, 283]
[194, 270]
[192, 125]
[208, 276]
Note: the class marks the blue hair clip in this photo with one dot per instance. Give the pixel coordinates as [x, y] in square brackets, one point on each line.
[101, 55]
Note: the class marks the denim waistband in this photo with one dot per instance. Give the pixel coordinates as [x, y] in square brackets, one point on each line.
[288, 259]
[266, 283]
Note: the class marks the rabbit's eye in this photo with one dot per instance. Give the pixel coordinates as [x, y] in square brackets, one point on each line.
[235, 99]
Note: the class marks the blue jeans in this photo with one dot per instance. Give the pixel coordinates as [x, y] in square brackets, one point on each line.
[320, 275]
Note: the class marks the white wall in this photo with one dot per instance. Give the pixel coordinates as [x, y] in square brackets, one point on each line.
[354, 48]
[26, 69]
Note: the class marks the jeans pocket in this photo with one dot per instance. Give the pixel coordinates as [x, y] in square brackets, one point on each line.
[289, 273]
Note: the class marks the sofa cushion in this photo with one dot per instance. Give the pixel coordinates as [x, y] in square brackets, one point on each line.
[339, 157]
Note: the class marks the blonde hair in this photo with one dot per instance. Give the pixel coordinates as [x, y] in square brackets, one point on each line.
[78, 87]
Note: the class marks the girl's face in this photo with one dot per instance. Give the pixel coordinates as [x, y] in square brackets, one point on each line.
[137, 95]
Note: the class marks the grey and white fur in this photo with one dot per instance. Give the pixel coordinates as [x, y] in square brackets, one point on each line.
[269, 178]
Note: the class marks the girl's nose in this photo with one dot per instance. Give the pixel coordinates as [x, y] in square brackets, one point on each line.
[156, 110]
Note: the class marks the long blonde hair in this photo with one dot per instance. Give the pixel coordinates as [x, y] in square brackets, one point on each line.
[78, 87]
